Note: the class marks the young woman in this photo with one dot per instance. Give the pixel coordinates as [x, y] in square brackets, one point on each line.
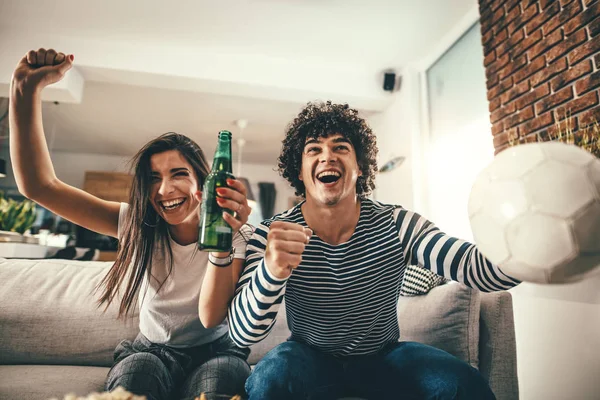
[183, 348]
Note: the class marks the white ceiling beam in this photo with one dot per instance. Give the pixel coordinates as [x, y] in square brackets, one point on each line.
[210, 71]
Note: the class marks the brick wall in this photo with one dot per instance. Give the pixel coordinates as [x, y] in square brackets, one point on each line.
[542, 61]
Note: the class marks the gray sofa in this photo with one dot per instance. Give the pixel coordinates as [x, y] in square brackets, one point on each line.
[54, 341]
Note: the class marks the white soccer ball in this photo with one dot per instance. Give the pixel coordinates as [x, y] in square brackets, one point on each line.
[535, 212]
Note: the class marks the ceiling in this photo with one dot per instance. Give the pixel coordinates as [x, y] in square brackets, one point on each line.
[126, 117]
[148, 67]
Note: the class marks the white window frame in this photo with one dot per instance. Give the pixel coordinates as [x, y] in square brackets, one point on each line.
[422, 135]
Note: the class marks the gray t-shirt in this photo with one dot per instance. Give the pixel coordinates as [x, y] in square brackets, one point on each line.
[170, 315]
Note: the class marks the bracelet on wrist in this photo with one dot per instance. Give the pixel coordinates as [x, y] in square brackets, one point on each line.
[221, 262]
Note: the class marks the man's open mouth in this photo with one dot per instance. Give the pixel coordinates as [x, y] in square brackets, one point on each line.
[328, 176]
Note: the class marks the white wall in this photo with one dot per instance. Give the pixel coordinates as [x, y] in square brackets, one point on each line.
[395, 129]
[71, 167]
[558, 340]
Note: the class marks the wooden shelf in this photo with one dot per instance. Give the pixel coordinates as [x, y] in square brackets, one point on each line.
[107, 256]
[112, 186]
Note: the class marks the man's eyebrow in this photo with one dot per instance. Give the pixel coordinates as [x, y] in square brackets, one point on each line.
[310, 141]
[339, 139]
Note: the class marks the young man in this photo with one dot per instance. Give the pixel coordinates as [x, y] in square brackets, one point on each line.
[339, 258]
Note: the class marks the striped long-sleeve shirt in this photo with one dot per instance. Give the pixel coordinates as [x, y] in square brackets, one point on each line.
[342, 298]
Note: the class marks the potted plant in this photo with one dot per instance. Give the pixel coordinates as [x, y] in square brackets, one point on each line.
[16, 217]
[586, 137]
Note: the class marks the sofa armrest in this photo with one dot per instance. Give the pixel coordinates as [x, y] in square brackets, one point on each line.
[497, 345]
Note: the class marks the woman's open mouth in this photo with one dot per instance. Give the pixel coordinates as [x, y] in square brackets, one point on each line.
[170, 205]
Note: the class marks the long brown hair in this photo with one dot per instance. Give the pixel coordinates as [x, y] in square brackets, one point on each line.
[144, 230]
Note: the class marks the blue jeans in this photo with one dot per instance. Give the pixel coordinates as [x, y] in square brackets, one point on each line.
[404, 370]
[161, 372]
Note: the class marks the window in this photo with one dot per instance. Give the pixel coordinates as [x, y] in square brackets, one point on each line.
[460, 141]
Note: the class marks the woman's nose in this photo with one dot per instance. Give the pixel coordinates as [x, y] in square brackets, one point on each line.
[165, 187]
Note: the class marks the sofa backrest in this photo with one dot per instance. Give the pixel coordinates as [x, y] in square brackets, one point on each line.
[48, 314]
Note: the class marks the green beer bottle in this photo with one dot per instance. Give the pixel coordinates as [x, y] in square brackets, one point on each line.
[214, 233]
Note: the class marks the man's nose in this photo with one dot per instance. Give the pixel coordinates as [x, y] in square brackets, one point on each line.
[327, 156]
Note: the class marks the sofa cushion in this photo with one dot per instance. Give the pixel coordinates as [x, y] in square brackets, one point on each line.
[418, 281]
[48, 314]
[446, 318]
[41, 382]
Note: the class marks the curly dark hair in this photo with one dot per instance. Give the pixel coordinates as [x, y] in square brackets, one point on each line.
[319, 120]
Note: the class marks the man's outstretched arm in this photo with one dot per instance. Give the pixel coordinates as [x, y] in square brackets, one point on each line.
[425, 245]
